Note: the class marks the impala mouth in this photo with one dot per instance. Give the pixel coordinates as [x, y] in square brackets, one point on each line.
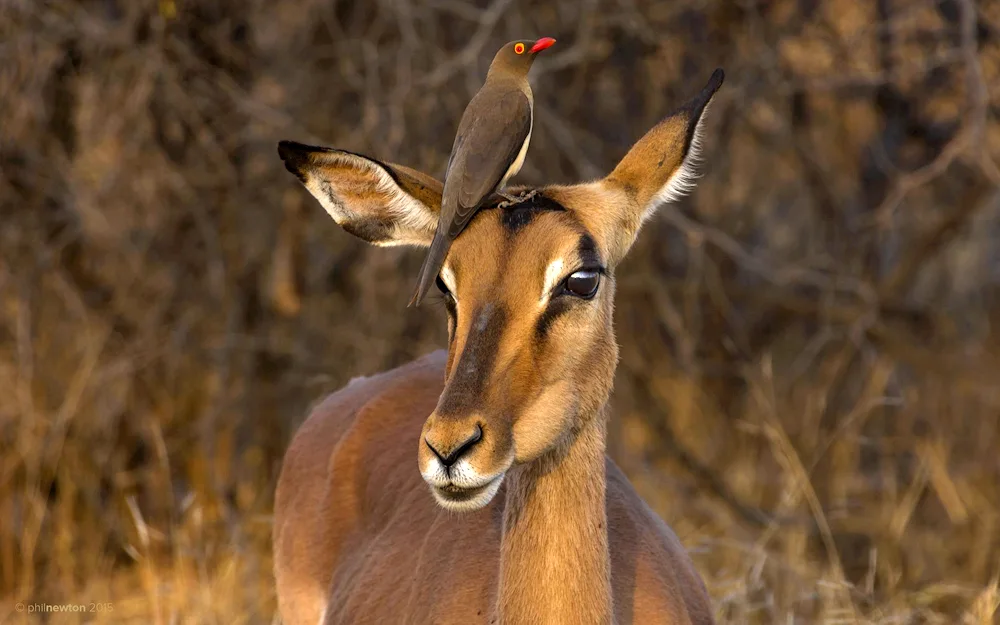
[461, 499]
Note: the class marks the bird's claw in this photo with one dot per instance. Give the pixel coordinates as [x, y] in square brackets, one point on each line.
[510, 200]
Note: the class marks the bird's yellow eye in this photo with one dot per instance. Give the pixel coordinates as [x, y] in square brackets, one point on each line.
[519, 48]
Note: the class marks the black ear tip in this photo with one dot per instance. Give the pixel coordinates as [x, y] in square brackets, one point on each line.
[295, 156]
[291, 150]
[716, 80]
[696, 106]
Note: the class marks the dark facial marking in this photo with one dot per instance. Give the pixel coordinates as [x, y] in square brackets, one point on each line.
[513, 219]
[557, 307]
[449, 304]
[520, 215]
[590, 257]
[468, 380]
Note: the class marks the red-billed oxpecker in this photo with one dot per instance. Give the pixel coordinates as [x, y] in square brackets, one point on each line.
[489, 149]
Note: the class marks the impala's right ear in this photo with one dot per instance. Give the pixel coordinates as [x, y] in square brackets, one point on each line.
[382, 203]
[659, 168]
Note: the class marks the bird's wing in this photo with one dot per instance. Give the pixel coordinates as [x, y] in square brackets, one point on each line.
[491, 142]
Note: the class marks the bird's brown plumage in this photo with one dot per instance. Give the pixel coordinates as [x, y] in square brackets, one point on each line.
[486, 146]
[489, 148]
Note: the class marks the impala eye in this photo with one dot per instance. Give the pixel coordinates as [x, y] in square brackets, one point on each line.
[582, 283]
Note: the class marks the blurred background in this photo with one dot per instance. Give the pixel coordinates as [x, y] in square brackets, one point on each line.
[808, 389]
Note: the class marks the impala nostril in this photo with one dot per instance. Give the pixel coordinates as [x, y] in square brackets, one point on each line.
[477, 436]
[449, 458]
[435, 452]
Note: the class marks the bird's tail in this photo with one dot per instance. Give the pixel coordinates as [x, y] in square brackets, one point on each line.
[431, 267]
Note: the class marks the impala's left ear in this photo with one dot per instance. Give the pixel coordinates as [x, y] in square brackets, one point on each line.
[382, 203]
[659, 168]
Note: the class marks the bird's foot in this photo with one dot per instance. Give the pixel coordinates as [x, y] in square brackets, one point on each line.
[511, 200]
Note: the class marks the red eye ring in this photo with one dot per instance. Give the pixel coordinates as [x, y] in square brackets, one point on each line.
[519, 48]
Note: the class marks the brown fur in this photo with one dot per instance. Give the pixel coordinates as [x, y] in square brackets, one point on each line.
[520, 397]
[368, 540]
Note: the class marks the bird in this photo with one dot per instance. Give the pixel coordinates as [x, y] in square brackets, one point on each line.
[489, 149]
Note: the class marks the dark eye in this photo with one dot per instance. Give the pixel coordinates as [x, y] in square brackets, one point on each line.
[442, 287]
[583, 283]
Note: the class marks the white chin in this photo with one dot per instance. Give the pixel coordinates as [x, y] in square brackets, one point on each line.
[467, 499]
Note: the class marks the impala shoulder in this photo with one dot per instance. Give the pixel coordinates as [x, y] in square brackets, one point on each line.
[651, 563]
[362, 389]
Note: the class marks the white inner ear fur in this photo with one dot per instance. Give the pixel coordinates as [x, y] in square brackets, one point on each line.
[552, 275]
[414, 221]
[684, 179]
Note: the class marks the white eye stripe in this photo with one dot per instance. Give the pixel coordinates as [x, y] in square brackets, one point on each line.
[448, 277]
[553, 273]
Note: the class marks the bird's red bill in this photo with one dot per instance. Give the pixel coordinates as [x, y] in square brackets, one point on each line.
[541, 44]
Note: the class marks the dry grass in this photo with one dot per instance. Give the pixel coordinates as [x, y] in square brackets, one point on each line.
[809, 361]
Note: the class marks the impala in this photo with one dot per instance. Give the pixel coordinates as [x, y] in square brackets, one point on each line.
[514, 513]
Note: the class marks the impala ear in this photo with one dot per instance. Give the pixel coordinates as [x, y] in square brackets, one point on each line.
[382, 203]
[659, 168]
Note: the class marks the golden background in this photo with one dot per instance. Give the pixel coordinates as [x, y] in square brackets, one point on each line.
[808, 390]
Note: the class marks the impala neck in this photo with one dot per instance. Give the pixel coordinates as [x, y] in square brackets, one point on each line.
[554, 561]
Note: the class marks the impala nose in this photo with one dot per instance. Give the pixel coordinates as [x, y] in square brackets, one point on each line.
[449, 454]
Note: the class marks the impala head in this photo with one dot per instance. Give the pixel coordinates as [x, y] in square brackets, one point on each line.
[529, 291]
